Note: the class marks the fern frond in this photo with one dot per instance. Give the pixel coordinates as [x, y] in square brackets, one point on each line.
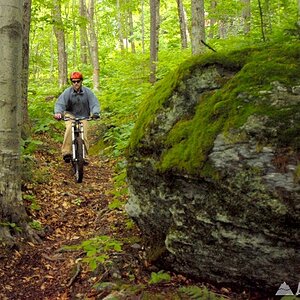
[200, 293]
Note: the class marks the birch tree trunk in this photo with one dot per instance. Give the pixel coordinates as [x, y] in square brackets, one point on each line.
[198, 26]
[61, 45]
[131, 37]
[182, 24]
[12, 211]
[25, 65]
[83, 33]
[94, 45]
[154, 37]
[120, 26]
[213, 5]
[223, 28]
[246, 15]
[74, 51]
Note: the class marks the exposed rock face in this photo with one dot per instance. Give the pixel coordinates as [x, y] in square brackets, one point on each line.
[240, 225]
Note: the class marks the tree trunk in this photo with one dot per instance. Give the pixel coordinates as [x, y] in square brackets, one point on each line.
[12, 211]
[52, 53]
[94, 46]
[61, 45]
[182, 24]
[246, 15]
[223, 28]
[262, 25]
[83, 33]
[74, 51]
[154, 38]
[25, 65]
[120, 27]
[213, 5]
[131, 38]
[198, 26]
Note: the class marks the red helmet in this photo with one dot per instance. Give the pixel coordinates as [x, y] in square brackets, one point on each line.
[76, 75]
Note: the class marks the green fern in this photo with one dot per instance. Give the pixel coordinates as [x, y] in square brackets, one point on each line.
[159, 277]
[197, 293]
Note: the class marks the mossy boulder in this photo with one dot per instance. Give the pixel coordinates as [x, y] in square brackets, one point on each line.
[213, 168]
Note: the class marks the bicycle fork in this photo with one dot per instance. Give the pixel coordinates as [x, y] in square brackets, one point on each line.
[82, 137]
[77, 128]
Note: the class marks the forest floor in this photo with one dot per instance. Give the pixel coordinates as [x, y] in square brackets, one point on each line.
[69, 214]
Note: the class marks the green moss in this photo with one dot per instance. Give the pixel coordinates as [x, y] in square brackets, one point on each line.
[164, 88]
[188, 143]
[290, 130]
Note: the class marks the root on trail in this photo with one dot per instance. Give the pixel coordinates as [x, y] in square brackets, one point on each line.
[13, 238]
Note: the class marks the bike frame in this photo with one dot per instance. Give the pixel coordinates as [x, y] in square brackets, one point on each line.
[77, 130]
[78, 145]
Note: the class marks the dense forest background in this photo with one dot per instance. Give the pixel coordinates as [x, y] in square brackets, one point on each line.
[124, 47]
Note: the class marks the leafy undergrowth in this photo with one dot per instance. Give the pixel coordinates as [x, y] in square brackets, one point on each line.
[89, 249]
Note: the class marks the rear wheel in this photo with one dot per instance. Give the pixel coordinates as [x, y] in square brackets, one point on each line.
[79, 162]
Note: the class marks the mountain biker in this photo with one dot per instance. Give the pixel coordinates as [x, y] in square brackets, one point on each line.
[79, 101]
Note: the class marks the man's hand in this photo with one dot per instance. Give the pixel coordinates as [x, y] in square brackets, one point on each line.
[58, 116]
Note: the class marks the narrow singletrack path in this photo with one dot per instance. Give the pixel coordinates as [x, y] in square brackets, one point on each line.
[69, 213]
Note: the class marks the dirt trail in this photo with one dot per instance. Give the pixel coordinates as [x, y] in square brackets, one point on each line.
[71, 213]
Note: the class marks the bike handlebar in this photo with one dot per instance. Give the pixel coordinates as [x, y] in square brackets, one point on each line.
[77, 119]
[66, 116]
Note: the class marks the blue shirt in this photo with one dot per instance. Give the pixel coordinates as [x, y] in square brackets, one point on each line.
[81, 104]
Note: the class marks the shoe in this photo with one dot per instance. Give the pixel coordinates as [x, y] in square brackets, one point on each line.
[67, 158]
[86, 162]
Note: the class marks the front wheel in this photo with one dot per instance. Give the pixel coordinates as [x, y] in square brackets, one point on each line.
[79, 161]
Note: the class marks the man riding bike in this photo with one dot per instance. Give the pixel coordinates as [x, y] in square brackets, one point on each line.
[81, 102]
